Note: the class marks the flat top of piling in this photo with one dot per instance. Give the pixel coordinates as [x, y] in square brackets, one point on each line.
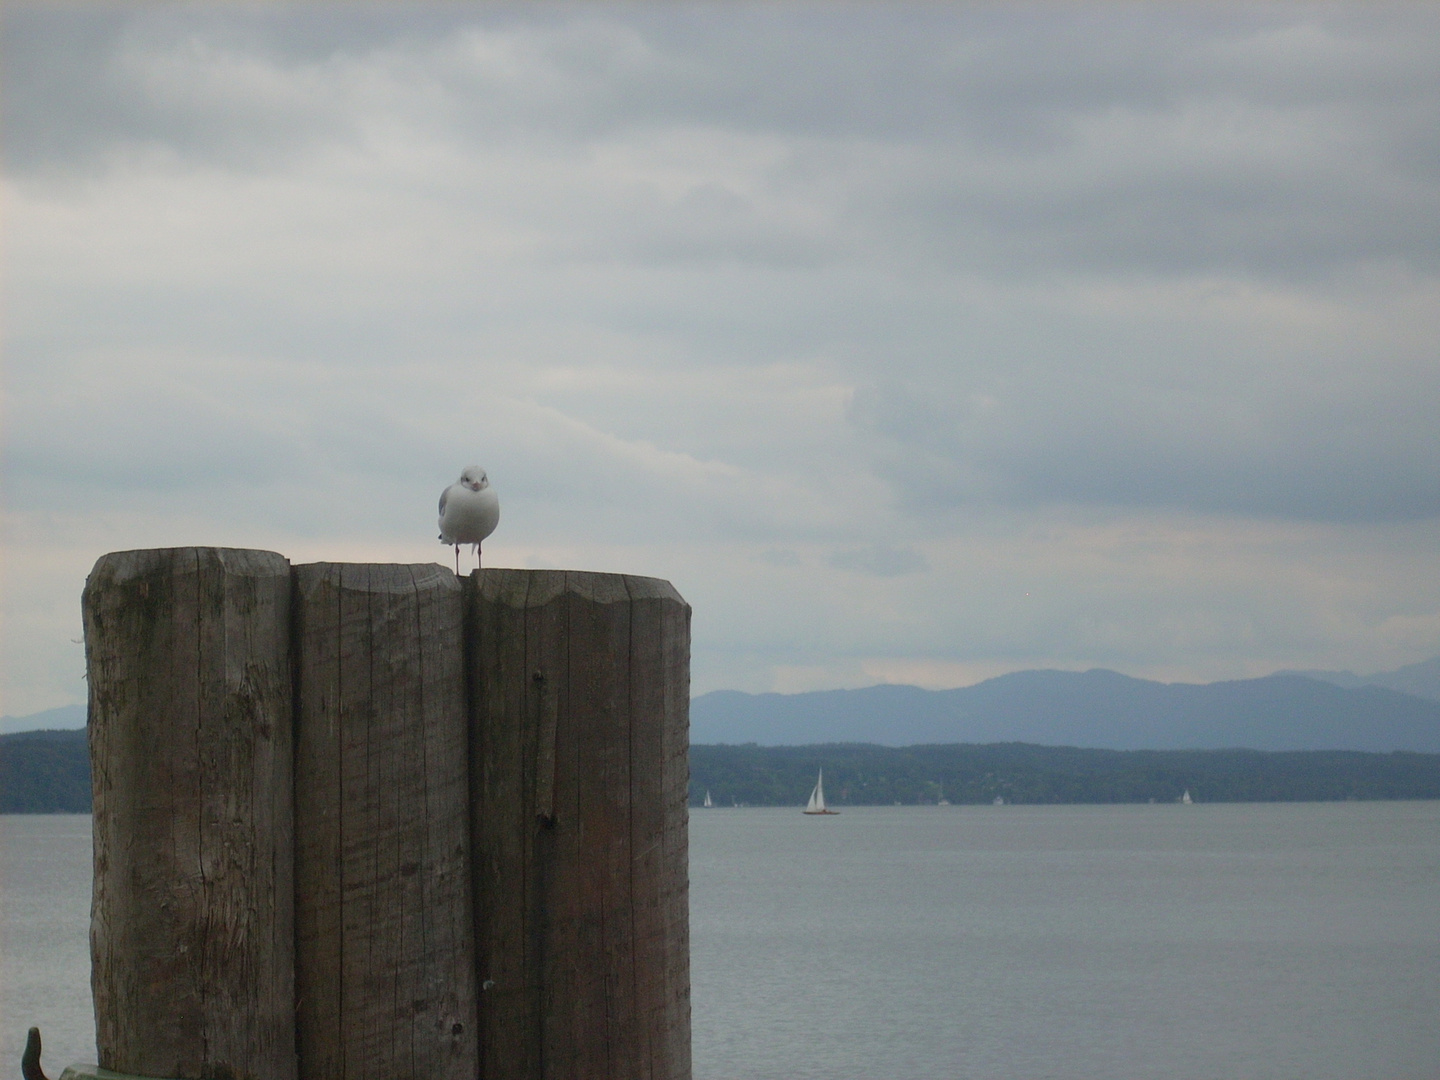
[534, 588]
[376, 577]
[118, 566]
[517, 587]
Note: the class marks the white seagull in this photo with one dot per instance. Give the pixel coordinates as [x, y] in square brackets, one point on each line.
[469, 512]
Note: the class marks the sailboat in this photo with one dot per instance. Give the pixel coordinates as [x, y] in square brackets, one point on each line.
[1186, 797]
[708, 803]
[817, 797]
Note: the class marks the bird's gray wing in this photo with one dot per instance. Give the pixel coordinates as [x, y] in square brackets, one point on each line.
[443, 496]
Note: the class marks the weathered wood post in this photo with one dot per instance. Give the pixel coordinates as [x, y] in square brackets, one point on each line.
[579, 744]
[385, 954]
[192, 934]
[291, 771]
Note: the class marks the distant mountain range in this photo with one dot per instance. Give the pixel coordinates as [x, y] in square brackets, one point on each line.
[1098, 708]
[61, 719]
[1290, 710]
[1422, 679]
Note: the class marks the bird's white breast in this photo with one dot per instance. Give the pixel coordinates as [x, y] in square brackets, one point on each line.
[470, 516]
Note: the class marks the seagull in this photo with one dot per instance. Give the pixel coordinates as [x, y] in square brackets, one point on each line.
[469, 512]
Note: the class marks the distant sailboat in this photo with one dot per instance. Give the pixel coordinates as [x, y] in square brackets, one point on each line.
[1186, 797]
[817, 797]
[999, 800]
[708, 803]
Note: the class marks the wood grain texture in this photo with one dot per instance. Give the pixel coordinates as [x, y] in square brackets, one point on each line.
[581, 855]
[192, 932]
[385, 948]
[661, 676]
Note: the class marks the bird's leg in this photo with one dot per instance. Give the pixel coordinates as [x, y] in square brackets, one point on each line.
[477, 556]
[457, 560]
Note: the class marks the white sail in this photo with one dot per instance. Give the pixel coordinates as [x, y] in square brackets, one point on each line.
[817, 797]
[707, 799]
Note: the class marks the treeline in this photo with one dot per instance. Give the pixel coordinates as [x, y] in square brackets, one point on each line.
[860, 774]
[45, 772]
[49, 772]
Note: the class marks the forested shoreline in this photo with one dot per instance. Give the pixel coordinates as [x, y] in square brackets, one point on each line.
[49, 772]
[45, 772]
[862, 774]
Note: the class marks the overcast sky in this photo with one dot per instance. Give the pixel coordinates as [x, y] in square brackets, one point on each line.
[913, 344]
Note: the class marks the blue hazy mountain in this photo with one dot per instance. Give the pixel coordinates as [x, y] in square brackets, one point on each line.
[1422, 679]
[1290, 710]
[1098, 708]
[61, 719]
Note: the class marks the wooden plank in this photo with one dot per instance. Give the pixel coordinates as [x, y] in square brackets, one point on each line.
[581, 932]
[499, 678]
[601, 721]
[187, 656]
[446, 926]
[385, 952]
[550, 944]
[660, 675]
[319, 798]
[673, 884]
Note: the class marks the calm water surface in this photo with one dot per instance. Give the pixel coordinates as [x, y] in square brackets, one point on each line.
[45, 939]
[1268, 941]
[1184, 943]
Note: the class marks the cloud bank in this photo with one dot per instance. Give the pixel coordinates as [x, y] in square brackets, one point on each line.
[912, 343]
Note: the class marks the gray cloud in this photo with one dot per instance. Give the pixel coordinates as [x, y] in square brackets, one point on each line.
[881, 560]
[1170, 140]
[1365, 453]
[885, 331]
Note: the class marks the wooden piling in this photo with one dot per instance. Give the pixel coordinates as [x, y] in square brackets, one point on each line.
[385, 947]
[579, 735]
[291, 772]
[187, 656]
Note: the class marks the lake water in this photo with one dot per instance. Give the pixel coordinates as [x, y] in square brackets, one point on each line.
[1184, 943]
[45, 939]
